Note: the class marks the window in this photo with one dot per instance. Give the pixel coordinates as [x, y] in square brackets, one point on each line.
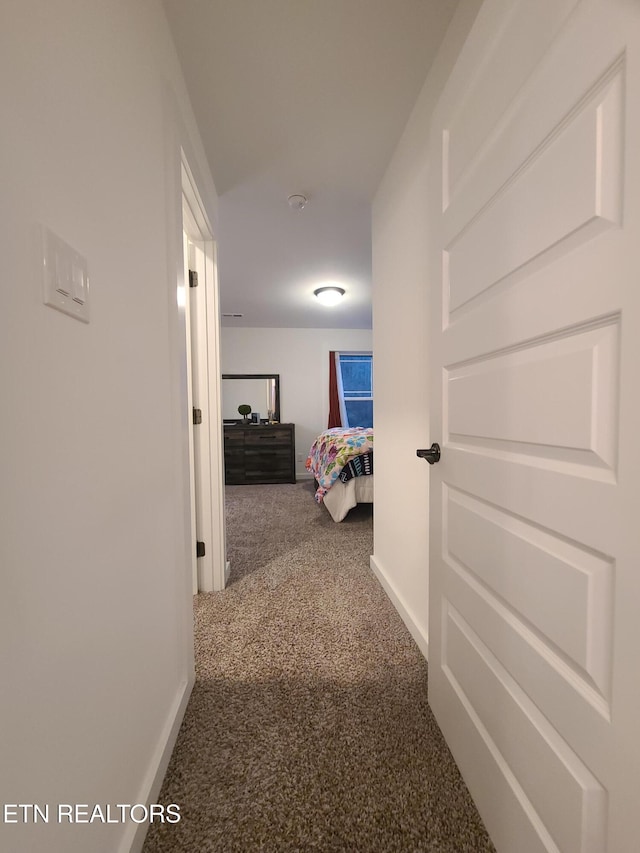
[354, 372]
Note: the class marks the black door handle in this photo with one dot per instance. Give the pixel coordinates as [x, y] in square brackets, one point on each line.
[432, 455]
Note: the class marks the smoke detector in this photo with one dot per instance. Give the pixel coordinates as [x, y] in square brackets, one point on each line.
[297, 201]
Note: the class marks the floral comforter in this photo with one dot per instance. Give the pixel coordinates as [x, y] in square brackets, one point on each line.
[331, 451]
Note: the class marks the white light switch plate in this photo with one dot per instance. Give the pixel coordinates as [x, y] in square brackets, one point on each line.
[66, 277]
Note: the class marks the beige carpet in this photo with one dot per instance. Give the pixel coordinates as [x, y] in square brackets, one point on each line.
[308, 728]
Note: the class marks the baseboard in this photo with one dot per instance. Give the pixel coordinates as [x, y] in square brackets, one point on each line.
[303, 475]
[406, 614]
[227, 571]
[135, 834]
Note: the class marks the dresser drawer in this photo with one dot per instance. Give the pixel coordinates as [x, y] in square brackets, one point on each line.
[273, 436]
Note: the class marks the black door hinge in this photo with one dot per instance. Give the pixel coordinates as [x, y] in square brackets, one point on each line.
[200, 549]
[197, 416]
[193, 278]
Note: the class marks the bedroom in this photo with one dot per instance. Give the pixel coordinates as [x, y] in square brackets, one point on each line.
[300, 358]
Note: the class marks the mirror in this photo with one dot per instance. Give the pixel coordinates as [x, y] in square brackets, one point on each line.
[261, 391]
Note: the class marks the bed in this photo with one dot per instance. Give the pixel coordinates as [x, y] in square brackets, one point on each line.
[341, 461]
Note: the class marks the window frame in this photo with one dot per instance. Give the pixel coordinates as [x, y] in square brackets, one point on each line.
[341, 396]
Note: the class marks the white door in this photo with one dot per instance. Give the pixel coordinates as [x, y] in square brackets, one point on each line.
[201, 419]
[534, 647]
[204, 392]
[194, 474]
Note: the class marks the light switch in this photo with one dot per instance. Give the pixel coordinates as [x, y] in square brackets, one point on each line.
[79, 288]
[66, 278]
[62, 271]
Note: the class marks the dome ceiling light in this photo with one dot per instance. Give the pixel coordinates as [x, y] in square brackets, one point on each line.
[330, 295]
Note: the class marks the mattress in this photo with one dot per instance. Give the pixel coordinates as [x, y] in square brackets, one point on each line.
[342, 497]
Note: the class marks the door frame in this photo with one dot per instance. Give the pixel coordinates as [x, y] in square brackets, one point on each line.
[204, 380]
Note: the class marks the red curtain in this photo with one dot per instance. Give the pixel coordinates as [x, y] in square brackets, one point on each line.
[334, 403]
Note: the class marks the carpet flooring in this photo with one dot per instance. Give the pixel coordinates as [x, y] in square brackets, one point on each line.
[308, 728]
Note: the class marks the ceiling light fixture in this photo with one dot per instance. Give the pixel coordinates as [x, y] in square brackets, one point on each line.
[297, 201]
[329, 295]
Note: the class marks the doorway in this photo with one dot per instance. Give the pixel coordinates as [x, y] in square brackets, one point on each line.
[202, 322]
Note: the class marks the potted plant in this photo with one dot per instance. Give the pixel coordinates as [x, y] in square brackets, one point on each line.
[245, 411]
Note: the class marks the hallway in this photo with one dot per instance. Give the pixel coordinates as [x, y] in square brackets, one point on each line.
[308, 727]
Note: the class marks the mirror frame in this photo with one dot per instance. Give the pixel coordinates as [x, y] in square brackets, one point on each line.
[275, 376]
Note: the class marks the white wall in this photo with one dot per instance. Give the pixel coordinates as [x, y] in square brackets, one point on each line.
[95, 604]
[400, 306]
[301, 357]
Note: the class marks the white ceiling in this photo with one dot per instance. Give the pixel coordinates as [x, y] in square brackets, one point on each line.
[301, 96]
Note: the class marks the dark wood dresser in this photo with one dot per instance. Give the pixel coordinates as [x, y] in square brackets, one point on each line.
[259, 453]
